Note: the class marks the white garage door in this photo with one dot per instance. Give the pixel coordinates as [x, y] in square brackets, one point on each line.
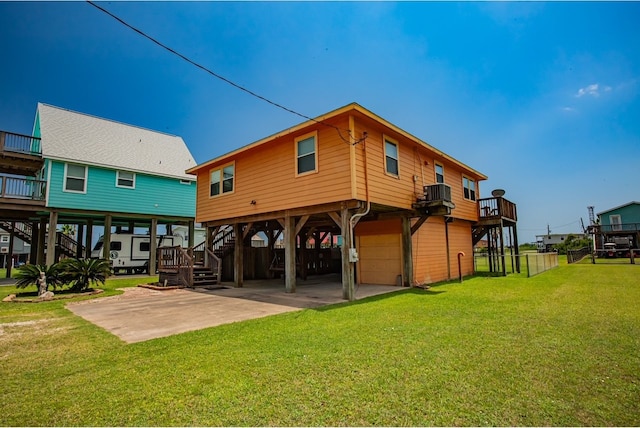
[380, 259]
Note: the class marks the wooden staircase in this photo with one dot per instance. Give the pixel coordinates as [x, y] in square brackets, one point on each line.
[224, 243]
[184, 267]
[65, 245]
[478, 232]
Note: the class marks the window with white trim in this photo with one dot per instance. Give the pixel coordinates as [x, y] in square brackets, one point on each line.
[4, 239]
[75, 178]
[439, 173]
[306, 149]
[469, 187]
[391, 157]
[221, 180]
[126, 179]
[615, 220]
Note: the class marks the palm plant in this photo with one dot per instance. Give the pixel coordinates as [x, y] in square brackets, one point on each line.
[27, 275]
[80, 273]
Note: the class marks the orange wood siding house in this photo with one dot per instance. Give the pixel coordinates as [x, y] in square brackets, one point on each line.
[353, 174]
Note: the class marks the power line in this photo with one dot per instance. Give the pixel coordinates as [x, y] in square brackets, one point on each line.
[224, 79]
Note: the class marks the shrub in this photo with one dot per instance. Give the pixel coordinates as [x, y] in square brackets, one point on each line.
[80, 273]
[27, 275]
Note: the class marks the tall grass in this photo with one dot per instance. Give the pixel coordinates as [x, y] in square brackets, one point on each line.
[561, 348]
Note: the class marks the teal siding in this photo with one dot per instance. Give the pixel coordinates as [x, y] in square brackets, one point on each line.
[152, 194]
[628, 214]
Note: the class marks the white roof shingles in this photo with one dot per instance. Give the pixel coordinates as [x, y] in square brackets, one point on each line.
[77, 137]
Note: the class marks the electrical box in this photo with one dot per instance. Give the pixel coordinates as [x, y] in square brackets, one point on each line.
[353, 255]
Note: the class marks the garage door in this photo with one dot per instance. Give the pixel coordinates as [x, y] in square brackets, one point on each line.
[380, 259]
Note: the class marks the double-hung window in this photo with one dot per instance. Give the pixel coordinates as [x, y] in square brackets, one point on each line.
[306, 149]
[469, 187]
[439, 173]
[221, 180]
[75, 178]
[391, 157]
[126, 179]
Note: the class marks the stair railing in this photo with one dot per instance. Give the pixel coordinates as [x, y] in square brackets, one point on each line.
[176, 259]
[214, 264]
[225, 237]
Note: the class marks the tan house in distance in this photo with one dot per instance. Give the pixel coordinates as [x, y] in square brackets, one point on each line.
[405, 211]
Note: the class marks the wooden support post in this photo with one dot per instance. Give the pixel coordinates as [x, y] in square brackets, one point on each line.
[153, 246]
[290, 254]
[303, 259]
[516, 248]
[106, 238]
[270, 252]
[502, 259]
[51, 238]
[11, 240]
[192, 231]
[407, 252]
[348, 282]
[79, 240]
[87, 247]
[42, 238]
[238, 257]
[35, 237]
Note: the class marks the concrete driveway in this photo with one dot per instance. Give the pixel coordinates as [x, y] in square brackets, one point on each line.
[142, 314]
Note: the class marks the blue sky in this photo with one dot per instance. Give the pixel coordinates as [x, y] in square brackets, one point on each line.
[544, 98]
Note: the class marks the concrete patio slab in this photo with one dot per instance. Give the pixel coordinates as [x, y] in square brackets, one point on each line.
[142, 314]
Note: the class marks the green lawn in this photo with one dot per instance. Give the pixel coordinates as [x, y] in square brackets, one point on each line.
[561, 348]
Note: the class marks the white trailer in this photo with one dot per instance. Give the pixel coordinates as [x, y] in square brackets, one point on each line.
[130, 252]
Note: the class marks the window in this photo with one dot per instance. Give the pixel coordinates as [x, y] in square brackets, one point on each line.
[75, 178]
[145, 246]
[186, 182]
[222, 180]
[616, 221]
[306, 154]
[439, 173]
[115, 246]
[126, 179]
[4, 239]
[391, 157]
[469, 187]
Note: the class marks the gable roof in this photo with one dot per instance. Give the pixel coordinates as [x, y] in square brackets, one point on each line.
[618, 207]
[342, 110]
[78, 137]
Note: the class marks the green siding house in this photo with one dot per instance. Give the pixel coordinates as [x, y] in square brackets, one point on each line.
[100, 172]
[623, 217]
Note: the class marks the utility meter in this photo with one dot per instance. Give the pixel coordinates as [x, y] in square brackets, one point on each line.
[353, 255]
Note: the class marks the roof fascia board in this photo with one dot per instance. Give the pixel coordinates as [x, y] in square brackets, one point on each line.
[618, 207]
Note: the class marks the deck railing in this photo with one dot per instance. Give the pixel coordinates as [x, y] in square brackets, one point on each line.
[176, 260]
[22, 188]
[608, 228]
[497, 207]
[19, 143]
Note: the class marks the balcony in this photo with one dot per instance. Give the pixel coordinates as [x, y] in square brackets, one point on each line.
[20, 154]
[615, 229]
[496, 210]
[436, 200]
[21, 193]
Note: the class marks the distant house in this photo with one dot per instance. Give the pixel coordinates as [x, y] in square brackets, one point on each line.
[406, 212]
[545, 243]
[17, 253]
[618, 224]
[86, 171]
